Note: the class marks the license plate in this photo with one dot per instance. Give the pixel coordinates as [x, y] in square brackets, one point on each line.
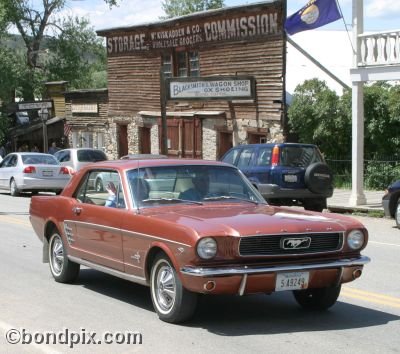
[291, 281]
[290, 178]
[47, 173]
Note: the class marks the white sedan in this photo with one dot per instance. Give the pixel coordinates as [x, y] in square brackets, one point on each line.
[32, 172]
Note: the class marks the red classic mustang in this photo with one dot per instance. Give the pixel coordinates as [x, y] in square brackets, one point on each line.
[185, 227]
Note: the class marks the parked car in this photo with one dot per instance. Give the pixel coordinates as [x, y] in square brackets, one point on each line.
[76, 158]
[189, 227]
[32, 172]
[391, 202]
[286, 173]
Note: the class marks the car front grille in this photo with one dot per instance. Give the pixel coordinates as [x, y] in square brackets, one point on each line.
[273, 245]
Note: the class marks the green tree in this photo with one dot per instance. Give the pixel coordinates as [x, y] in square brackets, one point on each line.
[32, 23]
[174, 8]
[316, 116]
[76, 55]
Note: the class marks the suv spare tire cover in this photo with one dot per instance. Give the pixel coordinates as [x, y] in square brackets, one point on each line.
[318, 178]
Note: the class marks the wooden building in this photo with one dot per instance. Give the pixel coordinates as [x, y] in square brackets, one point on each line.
[238, 41]
[86, 113]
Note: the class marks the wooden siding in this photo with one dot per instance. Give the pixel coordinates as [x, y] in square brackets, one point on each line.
[87, 119]
[134, 81]
[134, 72]
[133, 84]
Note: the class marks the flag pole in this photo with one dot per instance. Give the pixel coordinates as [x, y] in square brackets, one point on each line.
[317, 63]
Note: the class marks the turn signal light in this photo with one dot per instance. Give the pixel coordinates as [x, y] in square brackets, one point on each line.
[275, 156]
[29, 169]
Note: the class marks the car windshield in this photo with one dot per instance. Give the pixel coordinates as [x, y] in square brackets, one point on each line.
[299, 156]
[39, 159]
[194, 184]
[91, 155]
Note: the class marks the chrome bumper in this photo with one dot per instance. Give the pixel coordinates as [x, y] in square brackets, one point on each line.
[219, 272]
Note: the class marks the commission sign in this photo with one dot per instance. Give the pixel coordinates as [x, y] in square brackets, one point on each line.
[211, 88]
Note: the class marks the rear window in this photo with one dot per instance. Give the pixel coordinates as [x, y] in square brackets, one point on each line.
[91, 155]
[299, 156]
[39, 160]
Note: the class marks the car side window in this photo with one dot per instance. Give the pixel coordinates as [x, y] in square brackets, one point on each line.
[13, 161]
[264, 156]
[109, 195]
[231, 156]
[63, 156]
[245, 158]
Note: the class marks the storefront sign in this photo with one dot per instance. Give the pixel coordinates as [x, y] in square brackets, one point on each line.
[215, 87]
[26, 106]
[84, 108]
[257, 22]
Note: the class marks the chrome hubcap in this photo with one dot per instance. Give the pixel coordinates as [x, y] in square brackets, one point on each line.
[165, 288]
[57, 255]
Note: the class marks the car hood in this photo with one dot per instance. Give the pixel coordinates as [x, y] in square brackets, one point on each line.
[242, 220]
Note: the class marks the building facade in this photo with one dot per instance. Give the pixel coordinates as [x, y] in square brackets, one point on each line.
[230, 42]
[86, 113]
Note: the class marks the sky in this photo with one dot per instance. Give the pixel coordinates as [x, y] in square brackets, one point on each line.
[330, 45]
[379, 15]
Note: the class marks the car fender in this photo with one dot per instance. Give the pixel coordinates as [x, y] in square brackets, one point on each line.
[167, 251]
[50, 223]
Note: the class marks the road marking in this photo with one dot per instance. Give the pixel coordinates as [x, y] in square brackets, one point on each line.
[44, 348]
[371, 297]
[13, 220]
[383, 243]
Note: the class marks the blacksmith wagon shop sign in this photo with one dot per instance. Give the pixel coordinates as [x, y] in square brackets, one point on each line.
[260, 21]
[208, 88]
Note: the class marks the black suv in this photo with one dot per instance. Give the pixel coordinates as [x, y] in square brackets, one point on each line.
[285, 173]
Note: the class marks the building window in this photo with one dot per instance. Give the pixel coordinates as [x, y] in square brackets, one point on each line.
[100, 141]
[181, 64]
[167, 65]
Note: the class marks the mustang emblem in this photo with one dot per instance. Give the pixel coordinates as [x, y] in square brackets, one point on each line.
[296, 243]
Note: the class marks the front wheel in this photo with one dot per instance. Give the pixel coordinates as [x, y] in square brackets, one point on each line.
[397, 214]
[317, 299]
[172, 302]
[61, 268]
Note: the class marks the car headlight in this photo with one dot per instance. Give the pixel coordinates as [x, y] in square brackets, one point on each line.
[355, 239]
[207, 248]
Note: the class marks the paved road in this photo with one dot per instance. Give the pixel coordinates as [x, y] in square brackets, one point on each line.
[365, 319]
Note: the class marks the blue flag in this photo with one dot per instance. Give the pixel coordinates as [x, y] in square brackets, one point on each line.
[315, 14]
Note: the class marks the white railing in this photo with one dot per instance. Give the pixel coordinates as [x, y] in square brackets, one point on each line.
[382, 48]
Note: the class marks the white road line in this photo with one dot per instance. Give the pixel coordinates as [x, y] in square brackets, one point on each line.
[44, 348]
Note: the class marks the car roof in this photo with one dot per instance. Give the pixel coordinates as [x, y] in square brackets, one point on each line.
[130, 164]
[76, 149]
[272, 145]
[142, 156]
[29, 153]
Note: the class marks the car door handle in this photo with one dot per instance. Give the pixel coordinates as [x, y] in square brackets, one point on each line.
[76, 210]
